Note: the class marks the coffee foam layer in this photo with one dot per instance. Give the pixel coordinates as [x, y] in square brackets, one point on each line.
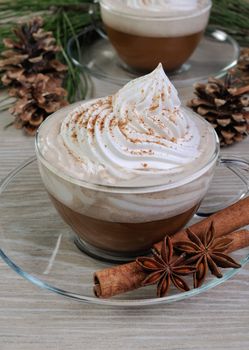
[165, 18]
[127, 208]
[168, 8]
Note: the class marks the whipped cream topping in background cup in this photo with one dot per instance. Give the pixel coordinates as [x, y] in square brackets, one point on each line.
[146, 32]
[126, 169]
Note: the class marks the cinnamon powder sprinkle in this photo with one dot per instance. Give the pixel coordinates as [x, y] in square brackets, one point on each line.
[92, 125]
[150, 132]
[74, 135]
[141, 152]
[134, 140]
[77, 117]
[113, 122]
[122, 123]
[160, 143]
[141, 120]
[153, 107]
[101, 125]
[83, 124]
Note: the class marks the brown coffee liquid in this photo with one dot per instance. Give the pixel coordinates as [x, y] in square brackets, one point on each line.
[121, 237]
[144, 53]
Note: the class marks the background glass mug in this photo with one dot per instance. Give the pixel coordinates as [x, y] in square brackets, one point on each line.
[142, 39]
[118, 223]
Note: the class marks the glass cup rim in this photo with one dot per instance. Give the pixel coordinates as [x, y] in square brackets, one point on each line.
[122, 189]
[206, 7]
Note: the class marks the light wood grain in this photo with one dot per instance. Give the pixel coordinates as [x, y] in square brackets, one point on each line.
[31, 318]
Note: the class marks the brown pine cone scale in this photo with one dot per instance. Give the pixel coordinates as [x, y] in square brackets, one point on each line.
[225, 106]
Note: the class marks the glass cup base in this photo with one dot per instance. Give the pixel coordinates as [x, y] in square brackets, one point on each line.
[105, 255]
[130, 70]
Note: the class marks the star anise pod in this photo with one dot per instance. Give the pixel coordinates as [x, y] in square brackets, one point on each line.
[164, 268]
[207, 252]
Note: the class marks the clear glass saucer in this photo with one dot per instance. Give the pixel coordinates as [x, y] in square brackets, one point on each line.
[216, 53]
[37, 244]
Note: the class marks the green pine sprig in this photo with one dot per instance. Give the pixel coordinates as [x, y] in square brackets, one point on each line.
[232, 16]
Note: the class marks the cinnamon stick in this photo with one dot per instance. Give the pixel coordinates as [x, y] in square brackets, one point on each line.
[225, 221]
[117, 280]
[240, 240]
[124, 278]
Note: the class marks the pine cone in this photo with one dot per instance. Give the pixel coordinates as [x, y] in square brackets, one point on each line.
[36, 101]
[225, 106]
[33, 74]
[243, 64]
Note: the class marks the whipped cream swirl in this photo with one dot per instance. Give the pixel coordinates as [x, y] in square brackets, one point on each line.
[135, 137]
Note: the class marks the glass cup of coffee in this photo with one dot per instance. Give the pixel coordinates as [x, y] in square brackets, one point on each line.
[145, 33]
[125, 170]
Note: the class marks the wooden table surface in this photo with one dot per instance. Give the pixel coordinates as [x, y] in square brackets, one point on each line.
[32, 318]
